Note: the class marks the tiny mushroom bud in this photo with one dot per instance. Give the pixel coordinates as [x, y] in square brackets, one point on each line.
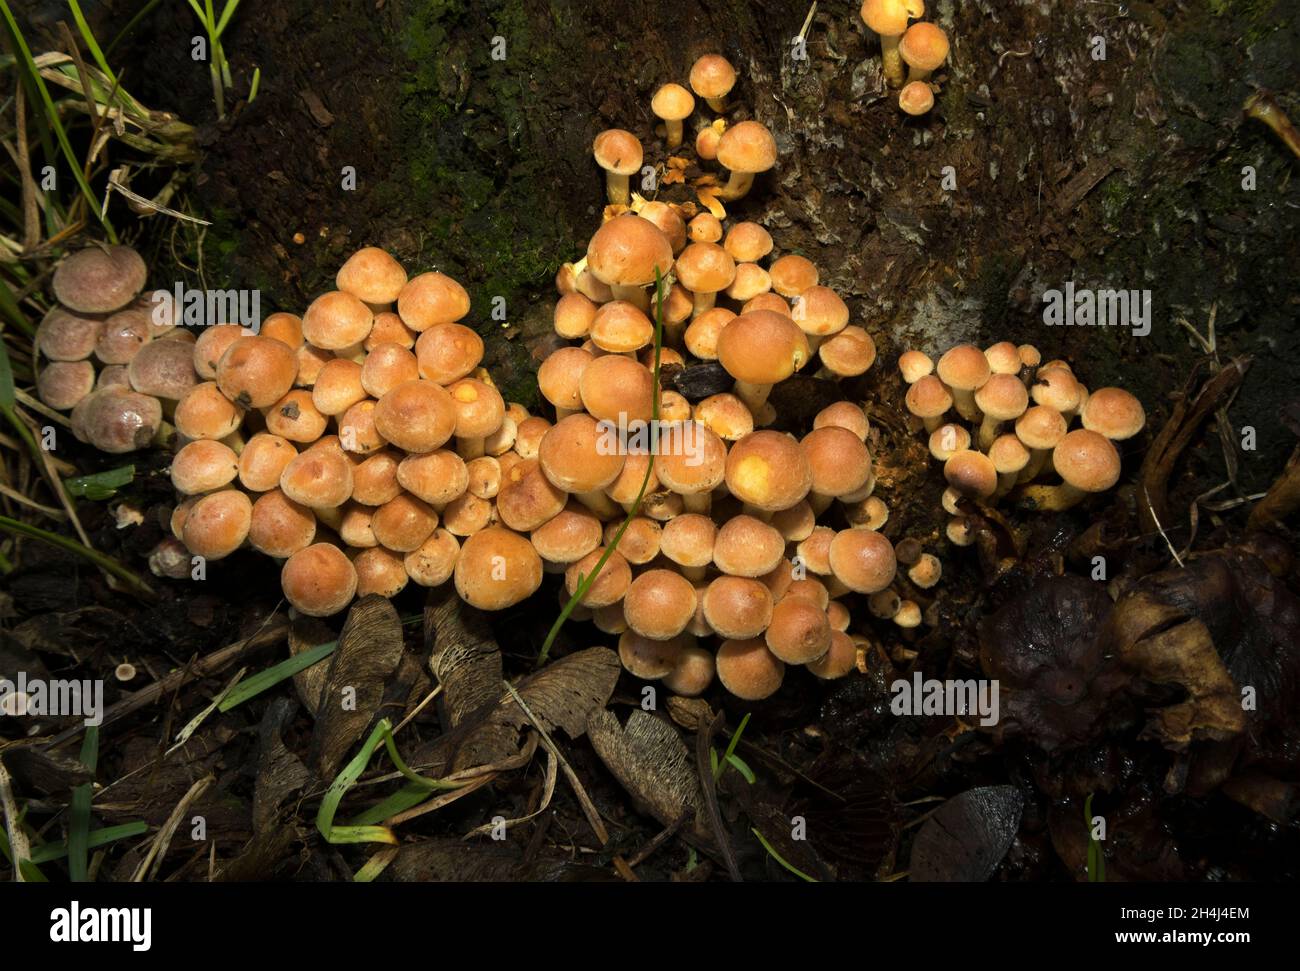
[926, 572]
[318, 581]
[704, 228]
[745, 149]
[915, 365]
[672, 103]
[1003, 358]
[619, 153]
[712, 78]
[916, 98]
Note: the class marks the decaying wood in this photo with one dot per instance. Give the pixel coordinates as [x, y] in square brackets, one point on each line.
[1282, 499]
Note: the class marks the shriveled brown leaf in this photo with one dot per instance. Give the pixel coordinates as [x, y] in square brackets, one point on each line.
[966, 839]
[464, 657]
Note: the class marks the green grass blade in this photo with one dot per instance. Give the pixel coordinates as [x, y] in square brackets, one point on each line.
[101, 485]
[265, 680]
[771, 851]
[7, 397]
[338, 789]
[731, 748]
[79, 827]
[226, 14]
[407, 797]
[52, 852]
[131, 24]
[105, 563]
[9, 307]
[91, 44]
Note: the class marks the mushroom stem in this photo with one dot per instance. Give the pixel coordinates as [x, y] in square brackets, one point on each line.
[891, 60]
[1048, 498]
[754, 396]
[916, 74]
[639, 297]
[599, 503]
[674, 129]
[234, 441]
[616, 188]
[988, 432]
[1006, 482]
[1262, 107]
[737, 186]
[1037, 459]
[700, 502]
[964, 402]
[703, 303]
[470, 448]
[819, 502]
[933, 423]
[692, 573]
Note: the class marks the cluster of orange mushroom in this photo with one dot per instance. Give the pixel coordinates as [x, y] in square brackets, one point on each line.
[1013, 418]
[921, 48]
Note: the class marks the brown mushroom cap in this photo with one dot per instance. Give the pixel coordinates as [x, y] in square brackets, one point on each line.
[748, 242]
[863, 560]
[762, 347]
[559, 378]
[466, 515]
[497, 568]
[403, 523]
[1087, 461]
[123, 334]
[844, 414]
[574, 457]
[448, 352]
[726, 416]
[668, 220]
[417, 416]
[285, 328]
[692, 674]
[318, 581]
[650, 659]
[916, 98]
[217, 524]
[924, 46]
[319, 477]
[374, 478]
[387, 329]
[737, 607]
[617, 151]
[62, 384]
[64, 336]
[337, 320]
[768, 470]
[701, 336]
[205, 412]
[747, 147]
[627, 250]
[620, 328]
[712, 77]
[964, 368]
[639, 543]
[527, 498]
[568, 536]
[574, 314]
[212, 345]
[1041, 427]
[1114, 413]
[164, 369]
[659, 604]
[372, 275]
[203, 466]
[99, 279]
[792, 274]
[437, 477]
[688, 540]
[610, 584]
[838, 460]
[263, 460]
[849, 353]
[385, 367]
[971, 474]
[747, 547]
[280, 527]
[672, 102]
[613, 386]
[434, 562]
[840, 659]
[947, 440]
[431, 299]
[705, 268]
[696, 468]
[338, 387]
[819, 311]
[748, 669]
[750, 281]
[254, 372]
[295, 418]
[117, 420]
[1002, 397]
[799, 632]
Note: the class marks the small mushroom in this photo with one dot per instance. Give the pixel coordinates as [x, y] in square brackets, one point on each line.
[748, 669]
[318, 581]
[1086, 461]
[745, 150]
[99, 279]
[889, 18]
[712, 78]
[619, 153]
[672, 103]
[924, 48]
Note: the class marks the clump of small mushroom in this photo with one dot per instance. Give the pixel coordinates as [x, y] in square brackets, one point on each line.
[1000, 420]
[107, 357]
[910, 52]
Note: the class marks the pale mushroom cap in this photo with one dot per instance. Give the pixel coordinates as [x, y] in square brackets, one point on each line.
[659, 604]
[650, 659]
[337, 387]
[915, 365]
[203, 466]
[574, 314]
[704, 228]
[1003, 358]
[924, 46]
[705, 268]
[669, 222]
[466, 515]
[748, 547]
[750, 281]
[849, 353]
[613, 385]
[619, 327]
[747, 147]
[693, 672]
[280, 527]
[165, 369]
[748, 242]
[928, 398]
[318, 581]
[263, 461]
[863, 560]
[1002, 397]
[385, 367]
[99, 279]
[964, 367]
[819, 311]
[712, 76]
[737, 607]
[1008, 454]
[702, 334]
[371, 274]
[948, 439]
[792, 274]
[796, 523]
[617, 151]
[768, 470]
[64, 336]
[434, 562]
[627, 250]
[762, 347]
[431, 299]
[672, 102]
[916, 98]
[217, 524]
[838, 460]
[889, 17]
[497, 568]
[971, 474]
[418, 416]
[567, 536]
[688, 540]
[749, 670]
[1057, 388]
[726, 416]
[574, 457]
[448, 352]
[627, 486]
[336, 320]
[1087, 461]
[844, 414]
[62, 384]
[1113, 412]
[123, 334]
[319, 477]
[767, 301]
[1041, 427]
[799, 632]
[117, 420]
